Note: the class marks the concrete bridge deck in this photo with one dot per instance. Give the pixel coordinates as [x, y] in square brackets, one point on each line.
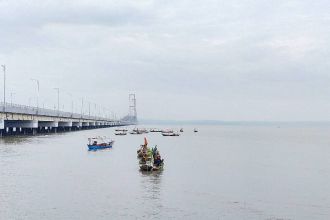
[20, 119]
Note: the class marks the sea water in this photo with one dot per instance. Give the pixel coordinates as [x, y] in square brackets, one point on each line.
[221, 172]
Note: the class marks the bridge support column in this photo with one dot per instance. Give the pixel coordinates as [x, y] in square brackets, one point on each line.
[50, 125]
[76, 125]
[65, 125]
[28, 126]
[2, 127]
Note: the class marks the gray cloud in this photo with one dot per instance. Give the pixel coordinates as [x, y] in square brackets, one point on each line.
[227, 60]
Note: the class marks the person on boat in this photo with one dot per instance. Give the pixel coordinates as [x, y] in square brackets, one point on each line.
[154, 151]
[158, 160]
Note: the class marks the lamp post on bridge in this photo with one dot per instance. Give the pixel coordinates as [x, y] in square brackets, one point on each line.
[71, 104]
[58, 101]
[82, 107]
[4, 88]
[11, 98]
[37, 81]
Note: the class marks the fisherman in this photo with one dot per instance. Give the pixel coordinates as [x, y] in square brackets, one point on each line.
[158, 160]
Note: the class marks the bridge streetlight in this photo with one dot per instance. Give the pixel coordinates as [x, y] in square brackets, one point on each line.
[58, 101]
[71, 104]
[11, 98]
[37, 81]
[4, 87]
[82, 107]
[89, 109]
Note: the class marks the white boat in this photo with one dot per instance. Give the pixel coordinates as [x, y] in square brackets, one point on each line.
[121, 129]
[121, 133]
[170, 134]
[167, 131]
[143, 130]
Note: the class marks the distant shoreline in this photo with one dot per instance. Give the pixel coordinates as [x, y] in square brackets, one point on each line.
[237, 123]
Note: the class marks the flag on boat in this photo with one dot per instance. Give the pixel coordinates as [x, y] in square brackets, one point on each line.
[145, 141]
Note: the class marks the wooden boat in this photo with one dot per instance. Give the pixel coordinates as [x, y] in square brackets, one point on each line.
[172, 134]
[99, 143]
[155, 130]
[121, 133]
[141, 130]
[148, 167]
[167, 131]
[136, 132]
[121, 129]
[195, 130]
[147, 160]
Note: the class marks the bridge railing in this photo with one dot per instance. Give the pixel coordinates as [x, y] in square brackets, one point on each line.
[30, 110]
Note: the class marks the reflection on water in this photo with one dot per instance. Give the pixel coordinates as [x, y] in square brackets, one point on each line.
[151, 193]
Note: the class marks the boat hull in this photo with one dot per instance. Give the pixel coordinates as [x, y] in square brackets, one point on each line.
[98, 147]
[149, 168]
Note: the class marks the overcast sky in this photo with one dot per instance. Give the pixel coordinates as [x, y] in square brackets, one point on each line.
[201, 59]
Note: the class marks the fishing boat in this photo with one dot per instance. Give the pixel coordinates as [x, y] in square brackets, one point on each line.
[170, 134]
[99, 143]
[195, 130]
[181, 130]
[121, 133]
[155, 130]
[142, 130]
[167, 131]
[150, 159]
[150, 167]
[121, 129]
[136, 132]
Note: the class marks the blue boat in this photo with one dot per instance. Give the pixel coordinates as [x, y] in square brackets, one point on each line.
[99, 143]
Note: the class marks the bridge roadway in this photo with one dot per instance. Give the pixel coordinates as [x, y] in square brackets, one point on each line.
[19, 119]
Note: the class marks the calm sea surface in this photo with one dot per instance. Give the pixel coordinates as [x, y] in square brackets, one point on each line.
[221, 172]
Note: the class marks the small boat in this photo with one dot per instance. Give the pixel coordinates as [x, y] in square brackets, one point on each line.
[150, 160]
[168, 134]
[149, 167]
[195, 130]
[167, 131]
[155, 130]
[181, 130]
[99, 143]
[136, 132]
[121, 129]
[121, 133]
[141, 130]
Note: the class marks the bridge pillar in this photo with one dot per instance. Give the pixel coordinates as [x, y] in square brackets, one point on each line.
[92, 124]
[2, 127]
[50, 125]
[65, 125]
[26, 125]
[76, 125]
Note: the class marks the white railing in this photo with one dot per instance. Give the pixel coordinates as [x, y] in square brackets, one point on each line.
[29, 110]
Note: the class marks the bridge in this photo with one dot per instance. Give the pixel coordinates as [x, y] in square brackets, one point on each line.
[26, 120]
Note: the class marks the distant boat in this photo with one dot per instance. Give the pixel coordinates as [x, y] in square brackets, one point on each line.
[121, 129]
[167, 131]
[121, 133]
[170, 134]
[141, 130]
[195, 130]
[181, 130]
[155, 130]
[136, 132]
[99, 143]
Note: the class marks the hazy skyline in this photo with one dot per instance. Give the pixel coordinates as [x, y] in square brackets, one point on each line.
[222, 60]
